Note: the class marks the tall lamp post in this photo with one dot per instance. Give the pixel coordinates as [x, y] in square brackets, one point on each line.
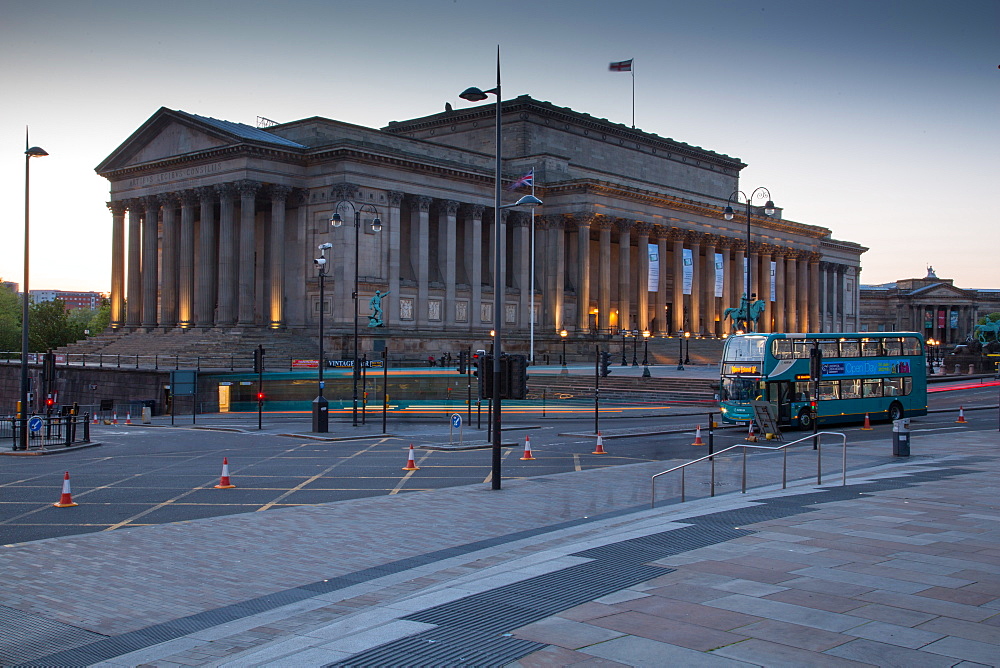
[687, 347]
[29, 153]
[680, 351]
[477, 95]
[759, 193]
[337, 221]
[563, 333]
[645, 347]
[320, 407]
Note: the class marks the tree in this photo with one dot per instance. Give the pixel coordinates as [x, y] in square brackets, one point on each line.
[49, 326]
[991, 317]
[10, 319]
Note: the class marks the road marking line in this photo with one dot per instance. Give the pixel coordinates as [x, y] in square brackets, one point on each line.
[322, 473]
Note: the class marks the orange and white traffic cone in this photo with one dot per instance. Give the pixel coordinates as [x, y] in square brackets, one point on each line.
[95, 419]
[697, 437]
[868, 423]
[961, 415]
[527, 448]
[66, 500]
[114, 417]
[751, 436]
[599, 450]
[411, 465]
[128, 417]
[224, 482]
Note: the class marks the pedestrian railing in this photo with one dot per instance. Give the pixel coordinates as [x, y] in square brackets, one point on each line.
[711, 459]
[46, 431]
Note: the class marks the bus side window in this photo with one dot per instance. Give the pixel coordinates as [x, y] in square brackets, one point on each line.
[893, 387]
[829, 389]
[893, 346]
[872, 387]
[850, 389]
[911, 346]
[801, 392]
[782, 349]
[869, 348]
[907, 385]
[850, 348]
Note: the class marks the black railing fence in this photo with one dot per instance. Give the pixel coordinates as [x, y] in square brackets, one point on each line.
[46, 431]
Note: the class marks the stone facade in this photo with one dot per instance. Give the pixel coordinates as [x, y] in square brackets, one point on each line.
[932, 306]
[216, 224]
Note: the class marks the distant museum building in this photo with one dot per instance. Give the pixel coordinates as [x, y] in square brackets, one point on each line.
[930, 305]
[216, 224]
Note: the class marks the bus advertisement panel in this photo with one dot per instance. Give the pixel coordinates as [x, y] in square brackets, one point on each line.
[882, 374]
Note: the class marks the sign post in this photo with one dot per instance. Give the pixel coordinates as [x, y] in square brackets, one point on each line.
[456, 423]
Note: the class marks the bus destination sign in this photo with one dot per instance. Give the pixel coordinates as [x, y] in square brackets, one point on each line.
[741, 369]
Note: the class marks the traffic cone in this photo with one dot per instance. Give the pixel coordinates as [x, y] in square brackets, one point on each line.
[224, 481]
[66, 500]
[961, 415]
[868, 424]
[527, 449]
[95, 419]
[114, 417]
[697, 437]
[128, 417]
[599, 450]
[410, 464]
[751, 436]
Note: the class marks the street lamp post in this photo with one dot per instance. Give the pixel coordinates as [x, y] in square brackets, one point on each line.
[624, 361]
[320, 407]
[635, 347]
[563, 334]
[680, 351]
[337, 221]
[29, 153]
[645, 347]
[474, 94]
[687, 347]
[729, 214]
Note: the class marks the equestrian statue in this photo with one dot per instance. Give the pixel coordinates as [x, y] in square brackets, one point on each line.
[988, 332]
[746, 315]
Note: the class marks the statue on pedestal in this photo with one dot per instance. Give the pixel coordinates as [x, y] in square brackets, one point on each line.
[375, 304]
[746, 315]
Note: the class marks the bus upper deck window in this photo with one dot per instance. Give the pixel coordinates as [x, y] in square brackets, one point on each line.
[870, 348]
[850, 348]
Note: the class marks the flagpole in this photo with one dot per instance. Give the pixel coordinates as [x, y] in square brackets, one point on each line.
[531, 286]
[632, 70]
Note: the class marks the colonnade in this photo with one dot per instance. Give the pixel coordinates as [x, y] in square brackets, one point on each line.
[947, 323]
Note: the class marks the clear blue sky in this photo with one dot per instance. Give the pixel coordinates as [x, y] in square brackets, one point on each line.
[876, 119]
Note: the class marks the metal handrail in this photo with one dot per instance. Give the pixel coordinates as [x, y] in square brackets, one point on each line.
[784, 464]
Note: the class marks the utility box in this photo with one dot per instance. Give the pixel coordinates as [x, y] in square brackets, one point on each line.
[901, 438]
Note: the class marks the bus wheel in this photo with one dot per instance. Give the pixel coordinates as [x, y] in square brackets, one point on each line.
[895, 411]
[805, 419]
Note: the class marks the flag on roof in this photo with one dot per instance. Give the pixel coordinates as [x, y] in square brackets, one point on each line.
[623, 66]
[526, 180]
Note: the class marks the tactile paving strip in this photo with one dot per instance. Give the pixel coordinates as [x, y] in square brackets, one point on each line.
[617, 566]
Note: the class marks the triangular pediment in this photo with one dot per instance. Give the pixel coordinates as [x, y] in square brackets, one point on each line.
[172, 140]
[940, 290]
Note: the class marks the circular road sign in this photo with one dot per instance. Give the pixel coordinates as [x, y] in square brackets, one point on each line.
[456, 420]
[35, 423]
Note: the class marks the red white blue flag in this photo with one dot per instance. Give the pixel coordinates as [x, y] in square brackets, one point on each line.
[623, 66]
[526, 180]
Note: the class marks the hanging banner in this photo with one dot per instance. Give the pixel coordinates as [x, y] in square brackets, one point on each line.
[928, 320]
[954, 320]
[653, 282]
[774, 272]
[688, 270]
[719, 274]
[743, 278]
[941, 318]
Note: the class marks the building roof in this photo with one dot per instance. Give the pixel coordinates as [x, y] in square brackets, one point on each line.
[244, 131]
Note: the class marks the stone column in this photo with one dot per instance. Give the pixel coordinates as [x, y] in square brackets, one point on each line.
[725, 244]
[168, 261]
[394, 221]
[276, 304]
[694, 314]
[185, 266]
[624, 272]
[740, 272]
[583, 224]
[448, 229]
[642, 230]
[133, 295]
[604, 226]
[677, 239]
[421, 232]
[802, 293]
[780, 299]
[662, 326]
[474, 226]
[842, 298]
[247, 251]
[792, 292]
[521, 221]
[766, 322]
[150, 273]
[709, 302]
[558, 239]
[814, 320]
[205, 275]
[117, 263]
[226, 315]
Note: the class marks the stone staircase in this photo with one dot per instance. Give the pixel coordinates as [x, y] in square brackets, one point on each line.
[695, 390]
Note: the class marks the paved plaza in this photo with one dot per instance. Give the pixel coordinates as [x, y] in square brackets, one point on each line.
[898, 567]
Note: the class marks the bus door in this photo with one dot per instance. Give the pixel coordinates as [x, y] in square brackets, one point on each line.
[780, 393]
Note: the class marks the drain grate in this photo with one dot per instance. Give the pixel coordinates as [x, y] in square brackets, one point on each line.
[27, 637]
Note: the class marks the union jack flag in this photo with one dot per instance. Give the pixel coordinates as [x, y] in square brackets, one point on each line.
[526, 180]
[623, 66]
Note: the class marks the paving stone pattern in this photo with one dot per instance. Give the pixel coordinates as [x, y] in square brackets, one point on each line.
[900, 567]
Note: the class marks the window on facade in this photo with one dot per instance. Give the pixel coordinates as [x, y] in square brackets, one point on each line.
[829, 389]
[850, 389]
[871, 387]
[850, 348]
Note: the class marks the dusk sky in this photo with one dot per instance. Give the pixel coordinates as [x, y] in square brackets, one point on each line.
[875, 119]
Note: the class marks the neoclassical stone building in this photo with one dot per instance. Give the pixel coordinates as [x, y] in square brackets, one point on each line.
[216, 225]
[930, 305]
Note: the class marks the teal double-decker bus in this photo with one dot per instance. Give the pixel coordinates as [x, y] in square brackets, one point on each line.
[881, 374]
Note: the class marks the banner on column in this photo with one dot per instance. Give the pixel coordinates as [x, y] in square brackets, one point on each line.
[688, 270]
[940, 317]
[954, 320]
[743, 278]
[719, 275]
[774, 271]
[653, 282]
